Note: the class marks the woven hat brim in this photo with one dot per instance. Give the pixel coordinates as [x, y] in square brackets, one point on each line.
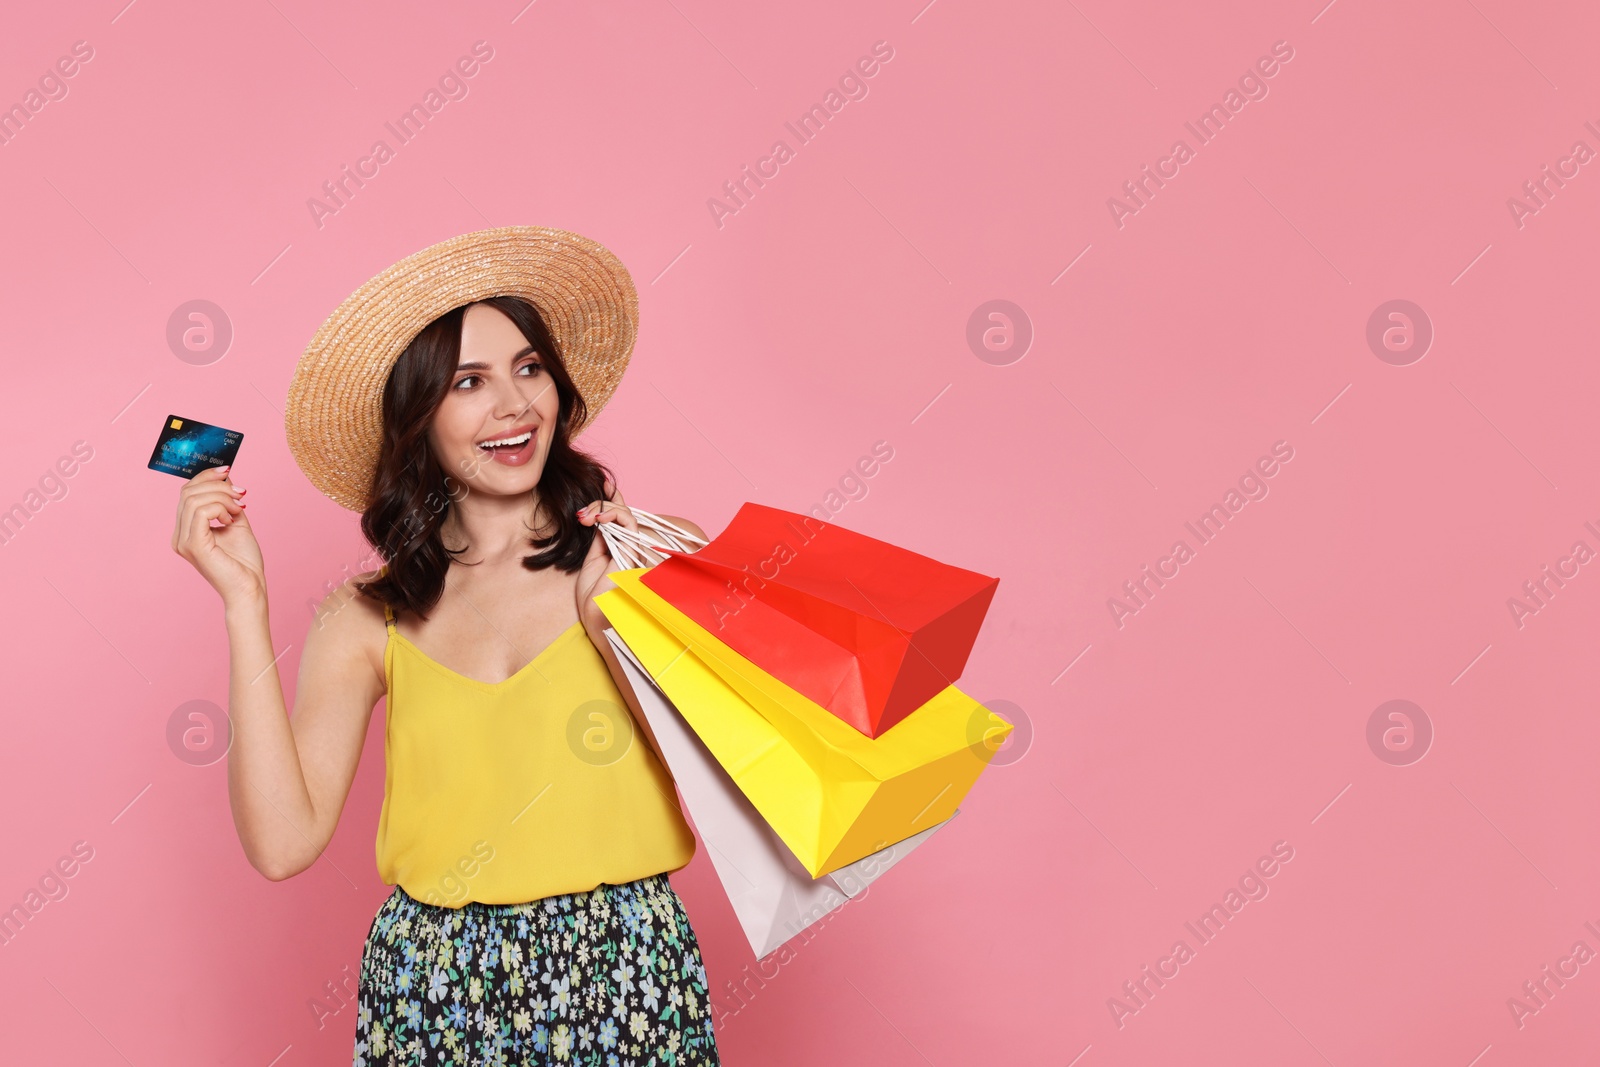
[334, 414]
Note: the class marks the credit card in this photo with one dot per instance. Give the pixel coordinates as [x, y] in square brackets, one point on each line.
[188, 446]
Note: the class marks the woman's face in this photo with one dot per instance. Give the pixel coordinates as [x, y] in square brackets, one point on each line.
[492, 432]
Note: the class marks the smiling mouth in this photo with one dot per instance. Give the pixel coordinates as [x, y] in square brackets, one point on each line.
[506, 444]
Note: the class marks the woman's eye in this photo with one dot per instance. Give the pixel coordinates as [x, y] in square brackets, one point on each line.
[471, 381]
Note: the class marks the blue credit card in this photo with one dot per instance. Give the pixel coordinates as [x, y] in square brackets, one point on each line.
[188, 446]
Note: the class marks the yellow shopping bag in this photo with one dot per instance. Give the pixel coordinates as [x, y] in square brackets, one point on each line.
[830, 792]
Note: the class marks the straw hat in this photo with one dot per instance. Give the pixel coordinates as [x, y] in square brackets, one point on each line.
[334, 415]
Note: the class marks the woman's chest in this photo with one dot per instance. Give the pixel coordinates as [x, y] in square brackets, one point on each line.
[492, 625]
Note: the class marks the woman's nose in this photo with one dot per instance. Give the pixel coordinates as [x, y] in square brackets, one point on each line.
[518, 398]
[511, 401]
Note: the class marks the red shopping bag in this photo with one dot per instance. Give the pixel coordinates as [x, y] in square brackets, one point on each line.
[868, 630]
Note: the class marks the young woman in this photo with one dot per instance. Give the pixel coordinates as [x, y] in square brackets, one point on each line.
[526, 826]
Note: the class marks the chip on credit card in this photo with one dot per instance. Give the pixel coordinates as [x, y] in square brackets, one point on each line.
[188, 446]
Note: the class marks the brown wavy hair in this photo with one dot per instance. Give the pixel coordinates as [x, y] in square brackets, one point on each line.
[411, 493]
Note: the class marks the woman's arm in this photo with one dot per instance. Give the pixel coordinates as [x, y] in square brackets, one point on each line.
[288, 778]
[593, 579]
[615, 666]
[625, 687]
[287, 781]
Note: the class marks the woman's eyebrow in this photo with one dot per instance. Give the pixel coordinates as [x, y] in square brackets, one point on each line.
[477, 365]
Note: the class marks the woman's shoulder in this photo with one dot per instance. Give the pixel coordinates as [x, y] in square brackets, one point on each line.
[687, 525]
[348, 624]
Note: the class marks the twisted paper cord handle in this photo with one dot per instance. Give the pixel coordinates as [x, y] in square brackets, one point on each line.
[640, 549]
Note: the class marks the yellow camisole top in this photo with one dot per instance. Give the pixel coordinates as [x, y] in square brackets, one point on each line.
[507, 792]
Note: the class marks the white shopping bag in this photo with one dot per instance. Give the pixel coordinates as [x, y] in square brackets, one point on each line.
[774, 896]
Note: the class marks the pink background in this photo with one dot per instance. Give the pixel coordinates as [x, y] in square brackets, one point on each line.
[829, 313]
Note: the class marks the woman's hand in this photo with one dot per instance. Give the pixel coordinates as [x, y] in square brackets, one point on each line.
[226, 556]
[598, 564]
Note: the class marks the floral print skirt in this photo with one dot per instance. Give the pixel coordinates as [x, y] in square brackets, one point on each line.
[608, 978]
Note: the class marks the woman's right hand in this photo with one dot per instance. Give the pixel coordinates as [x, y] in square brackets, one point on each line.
[226, 556]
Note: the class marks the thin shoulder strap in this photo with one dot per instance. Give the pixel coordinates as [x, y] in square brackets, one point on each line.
[388, 612]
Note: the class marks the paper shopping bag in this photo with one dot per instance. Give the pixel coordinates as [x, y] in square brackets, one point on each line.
[771, 893]
[864, 628]
[831, 794]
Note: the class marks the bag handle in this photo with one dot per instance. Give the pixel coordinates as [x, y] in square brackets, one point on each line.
[642, 549]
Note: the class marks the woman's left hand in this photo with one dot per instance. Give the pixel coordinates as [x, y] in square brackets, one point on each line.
[598, 565]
